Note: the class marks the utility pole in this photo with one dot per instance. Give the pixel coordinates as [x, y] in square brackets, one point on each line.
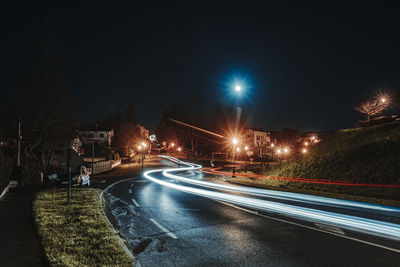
[92, 157]
[69, 173]
[19, 143]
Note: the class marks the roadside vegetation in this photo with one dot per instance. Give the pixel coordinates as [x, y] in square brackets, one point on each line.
[361, 155]
[76, 234]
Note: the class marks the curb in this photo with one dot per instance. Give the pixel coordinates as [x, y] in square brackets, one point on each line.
[127, 251]
[5, 191]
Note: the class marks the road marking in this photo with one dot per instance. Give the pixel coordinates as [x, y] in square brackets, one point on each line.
[132, 185]
[311, 228]
[130, 191]
[162, 228]
[134, 202]
[141, 181]
[330, 228]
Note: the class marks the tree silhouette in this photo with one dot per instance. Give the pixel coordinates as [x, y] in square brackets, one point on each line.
[130, 114]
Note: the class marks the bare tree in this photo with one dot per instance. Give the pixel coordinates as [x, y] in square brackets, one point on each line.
[375, 106]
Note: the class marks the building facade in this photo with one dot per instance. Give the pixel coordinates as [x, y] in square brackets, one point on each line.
[104, 136]
[257, 140]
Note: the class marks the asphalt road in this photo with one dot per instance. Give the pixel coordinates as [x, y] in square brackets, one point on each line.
[166, 227]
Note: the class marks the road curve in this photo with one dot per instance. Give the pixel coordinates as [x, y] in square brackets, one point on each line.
[165, 227]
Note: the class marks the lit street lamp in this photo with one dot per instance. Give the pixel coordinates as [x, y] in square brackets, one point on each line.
[179, 161]
[140, 160]
[245, 161]
[238, 88]
[235, 141]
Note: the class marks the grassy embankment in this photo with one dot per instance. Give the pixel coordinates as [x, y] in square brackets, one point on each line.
[362, 155]
[76, 234]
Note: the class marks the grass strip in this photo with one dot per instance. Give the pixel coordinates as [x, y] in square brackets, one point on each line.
[76, 234]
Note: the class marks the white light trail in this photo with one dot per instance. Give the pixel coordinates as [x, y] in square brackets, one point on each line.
[273, 193]
[369, 226]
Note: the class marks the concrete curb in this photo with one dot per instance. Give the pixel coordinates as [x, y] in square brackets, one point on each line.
[124, 246]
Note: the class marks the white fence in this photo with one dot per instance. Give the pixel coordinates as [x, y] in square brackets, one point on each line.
[102, 166]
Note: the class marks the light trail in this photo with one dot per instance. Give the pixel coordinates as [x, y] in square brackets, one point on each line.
[297, 179]
[276, 194]
[358, 224]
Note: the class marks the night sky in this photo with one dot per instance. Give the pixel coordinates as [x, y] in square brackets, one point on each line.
[304, 66]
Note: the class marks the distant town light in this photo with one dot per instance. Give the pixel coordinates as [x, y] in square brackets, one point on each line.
[278, 151]
[238, 88]
[144, 144]
[238, 149]
[286, 150]
[246, 148]
[139, 147]
[235, 141]
[172, 144]
[272, 145]
[179, 149]
[306, 143]
[304, 150]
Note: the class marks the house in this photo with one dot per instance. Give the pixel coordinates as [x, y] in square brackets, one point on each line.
[143, 132]
[97, 135]
[257, 140]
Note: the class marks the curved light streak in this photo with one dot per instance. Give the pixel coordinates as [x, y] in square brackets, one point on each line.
[310, 199]
[369, 226]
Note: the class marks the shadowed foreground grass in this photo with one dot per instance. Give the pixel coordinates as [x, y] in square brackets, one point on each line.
[76, 234]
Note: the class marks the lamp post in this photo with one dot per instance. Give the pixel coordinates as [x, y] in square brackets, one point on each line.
[286, 152]
[245, 161]
[234, 142]
[172, 145]
[278, 152]
[179, 161]
[140, 157]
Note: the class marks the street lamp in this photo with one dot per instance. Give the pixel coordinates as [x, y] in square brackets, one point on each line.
[179, 161]
[235, 141]
[238, 88]
[304, 150]
[279, 152]
[286, 152]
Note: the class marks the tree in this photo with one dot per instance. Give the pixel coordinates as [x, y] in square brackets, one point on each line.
[127, 135]
[113, 120]
[130, 114]
[375, 106]
[44, 105]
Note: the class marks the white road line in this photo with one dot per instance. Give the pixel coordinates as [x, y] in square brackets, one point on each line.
[132, 185]
[141, 181]
[311, 228]
[134, 202]
[162, 228]
[130, 191]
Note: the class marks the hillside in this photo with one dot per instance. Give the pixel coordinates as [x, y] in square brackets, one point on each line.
[370, 155]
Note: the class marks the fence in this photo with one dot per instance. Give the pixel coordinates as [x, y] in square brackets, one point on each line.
[102, 166]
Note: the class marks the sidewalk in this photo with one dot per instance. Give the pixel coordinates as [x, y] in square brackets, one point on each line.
[19, 244]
